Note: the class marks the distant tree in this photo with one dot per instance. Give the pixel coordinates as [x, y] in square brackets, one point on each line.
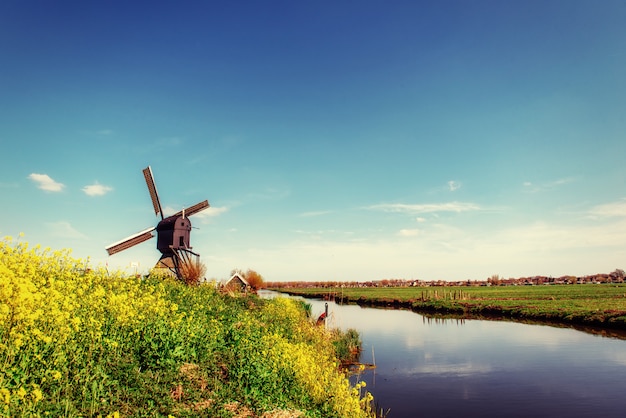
[237, 271]
[494, 280]
[254, 279]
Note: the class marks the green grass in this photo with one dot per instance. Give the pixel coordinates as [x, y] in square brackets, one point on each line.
[79, 342]
[590, 304]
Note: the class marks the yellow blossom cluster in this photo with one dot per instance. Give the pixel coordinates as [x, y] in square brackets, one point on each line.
[77, 341]
[314, 373]
[53, 307]
[307, 355]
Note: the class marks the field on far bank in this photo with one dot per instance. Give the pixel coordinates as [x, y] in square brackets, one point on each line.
[590, 304]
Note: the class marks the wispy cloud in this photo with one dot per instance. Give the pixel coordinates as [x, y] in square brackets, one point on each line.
[541, 187]
[45, 182]
[63, 229]
[104, 132]
[211, 212]
[426, 208]
[454, 185]
[320, 232]
[614, 209]
[168, 210]
[408, 232]
[315, 213]
[270, 193]
[96, 189]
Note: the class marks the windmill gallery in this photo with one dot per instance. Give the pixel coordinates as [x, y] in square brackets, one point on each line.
[173, 233]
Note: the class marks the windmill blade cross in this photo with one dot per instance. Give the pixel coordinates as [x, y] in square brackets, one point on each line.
[147, 173]
[131, 241]
[194, 209]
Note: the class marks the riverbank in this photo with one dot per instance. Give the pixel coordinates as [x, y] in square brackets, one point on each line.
[430, 365]
[585, 305]
[81, 342]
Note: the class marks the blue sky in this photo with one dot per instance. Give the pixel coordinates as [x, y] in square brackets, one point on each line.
[334, 140]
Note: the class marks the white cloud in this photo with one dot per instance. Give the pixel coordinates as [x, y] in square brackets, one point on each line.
[214, 211]
[408, 232]
[270, 193]
[439, 251]
[609, 209]
[45, 182]
[550, 185]
[315, 213]
[454, 185]
[96, 189]
[426, 208]
[211, 212]
[63, 229]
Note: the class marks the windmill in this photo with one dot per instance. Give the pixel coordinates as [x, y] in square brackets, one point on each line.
[172, 233]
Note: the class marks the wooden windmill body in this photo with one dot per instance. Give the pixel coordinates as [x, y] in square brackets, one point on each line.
[173, 233]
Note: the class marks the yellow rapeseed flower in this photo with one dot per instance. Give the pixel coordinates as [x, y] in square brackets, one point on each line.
[21, 393]
[5, 396]
[37, 395]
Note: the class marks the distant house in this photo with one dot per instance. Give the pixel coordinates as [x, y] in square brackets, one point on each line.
[237, 283]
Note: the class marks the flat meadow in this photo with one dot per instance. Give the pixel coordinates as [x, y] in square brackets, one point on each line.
[76, 341]
[590, 304]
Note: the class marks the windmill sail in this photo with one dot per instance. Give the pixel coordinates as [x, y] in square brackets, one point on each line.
[193, 209]
[147, 173]
[173, 233]
[131, 241]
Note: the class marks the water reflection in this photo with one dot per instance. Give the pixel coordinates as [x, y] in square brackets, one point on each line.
[455, 367]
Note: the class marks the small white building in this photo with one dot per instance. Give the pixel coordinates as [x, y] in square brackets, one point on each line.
[237, 283]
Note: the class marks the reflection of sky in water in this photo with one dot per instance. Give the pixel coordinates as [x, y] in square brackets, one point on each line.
[484, 368]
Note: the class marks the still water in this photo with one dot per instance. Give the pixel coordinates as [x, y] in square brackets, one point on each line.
[476, 368]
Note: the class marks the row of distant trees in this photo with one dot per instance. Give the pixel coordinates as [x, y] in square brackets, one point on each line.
[617, 276]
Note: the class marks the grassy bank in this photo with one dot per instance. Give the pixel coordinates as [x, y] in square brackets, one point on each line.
[596, 305]
[80, 342]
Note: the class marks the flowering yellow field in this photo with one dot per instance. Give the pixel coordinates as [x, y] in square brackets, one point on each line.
[81, 342]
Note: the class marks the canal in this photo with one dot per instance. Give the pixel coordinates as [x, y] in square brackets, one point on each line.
[452, 367]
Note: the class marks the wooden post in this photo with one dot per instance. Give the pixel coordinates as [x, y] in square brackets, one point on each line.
[326, 315]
